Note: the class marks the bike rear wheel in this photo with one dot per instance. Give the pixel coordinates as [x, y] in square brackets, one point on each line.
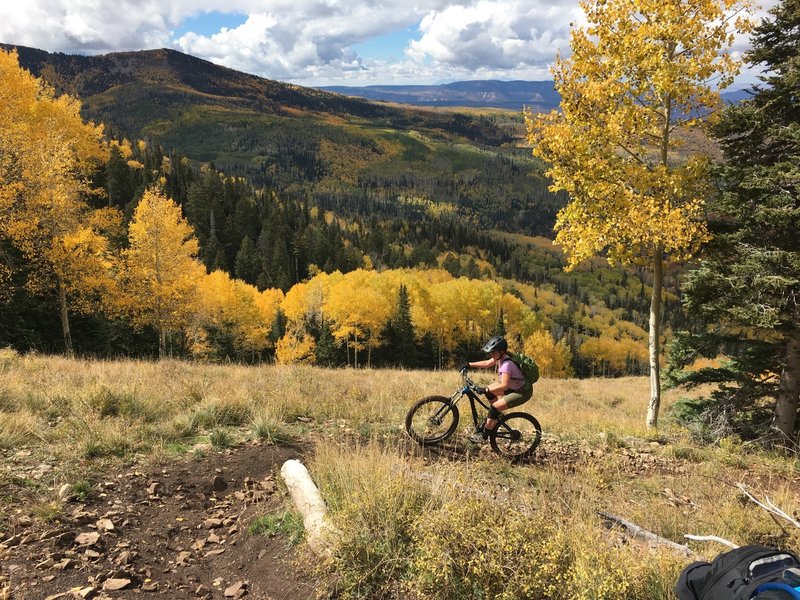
[516, 436]
[431, 420]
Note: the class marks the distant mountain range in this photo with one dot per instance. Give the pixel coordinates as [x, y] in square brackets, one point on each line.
[510, 95]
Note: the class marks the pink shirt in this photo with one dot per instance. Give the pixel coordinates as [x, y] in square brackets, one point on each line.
[516, 378]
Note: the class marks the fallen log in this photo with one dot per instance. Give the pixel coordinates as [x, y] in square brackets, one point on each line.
[309, 503]
[639, 532]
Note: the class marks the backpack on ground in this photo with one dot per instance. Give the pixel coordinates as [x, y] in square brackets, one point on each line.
[528, 367]
[739, 575]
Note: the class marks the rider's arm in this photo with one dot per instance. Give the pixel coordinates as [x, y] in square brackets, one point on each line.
[482, 364]
[499, 387]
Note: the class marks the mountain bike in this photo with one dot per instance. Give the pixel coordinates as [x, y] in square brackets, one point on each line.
[433, 419]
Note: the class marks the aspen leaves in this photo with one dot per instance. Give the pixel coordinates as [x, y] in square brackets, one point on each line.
[638, 74]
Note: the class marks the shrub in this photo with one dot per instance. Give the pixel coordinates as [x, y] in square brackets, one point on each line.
[470, 549]
[271, 429]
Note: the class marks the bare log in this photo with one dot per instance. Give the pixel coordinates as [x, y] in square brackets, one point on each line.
[309, 503]
[639, 532]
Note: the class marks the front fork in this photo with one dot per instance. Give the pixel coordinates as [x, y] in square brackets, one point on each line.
[473, 400]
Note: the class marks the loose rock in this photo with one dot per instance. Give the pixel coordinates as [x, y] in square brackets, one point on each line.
[111, 585]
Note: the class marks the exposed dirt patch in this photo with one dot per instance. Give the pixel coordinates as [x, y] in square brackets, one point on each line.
[176, 531]
[569, 457]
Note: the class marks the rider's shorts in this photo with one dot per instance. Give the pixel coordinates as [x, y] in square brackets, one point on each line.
[515, 398]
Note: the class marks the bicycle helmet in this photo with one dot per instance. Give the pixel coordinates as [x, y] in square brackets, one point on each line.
[498, 342]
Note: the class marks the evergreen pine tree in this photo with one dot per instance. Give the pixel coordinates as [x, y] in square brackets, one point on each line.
[278, 327]
[402, 342]
[119, 181]
[500, 327]
[746, 292]
[326, 351]
[248, 262]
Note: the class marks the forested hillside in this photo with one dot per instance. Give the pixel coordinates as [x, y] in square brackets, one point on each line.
[280, 184]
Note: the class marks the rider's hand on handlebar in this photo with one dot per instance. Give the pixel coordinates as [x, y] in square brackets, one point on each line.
[463, 367]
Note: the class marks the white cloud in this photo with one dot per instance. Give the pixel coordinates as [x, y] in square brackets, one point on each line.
[311, 41]
[500, 34]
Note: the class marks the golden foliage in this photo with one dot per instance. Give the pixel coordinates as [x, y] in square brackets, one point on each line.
[637, 73]
[295, 347]
[160, 271]
[236, 308]
[554, 359]
[48, 154]
[360, 303]
[612, 356]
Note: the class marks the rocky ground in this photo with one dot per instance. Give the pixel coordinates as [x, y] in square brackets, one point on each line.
[181, 530]
[174, 531]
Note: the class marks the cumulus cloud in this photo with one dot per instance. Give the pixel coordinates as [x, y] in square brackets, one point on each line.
[312, 42]
[495, 33]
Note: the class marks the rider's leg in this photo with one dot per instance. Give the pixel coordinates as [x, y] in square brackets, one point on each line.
[491, 420]
[510, 400]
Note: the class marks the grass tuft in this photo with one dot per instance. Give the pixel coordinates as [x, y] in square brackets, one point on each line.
[221, 438]
[286, 523]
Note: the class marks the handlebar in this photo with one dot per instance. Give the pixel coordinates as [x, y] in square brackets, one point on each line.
[467, 381]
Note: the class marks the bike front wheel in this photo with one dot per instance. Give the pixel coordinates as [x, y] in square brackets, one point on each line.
[432, 420]
[516, 436]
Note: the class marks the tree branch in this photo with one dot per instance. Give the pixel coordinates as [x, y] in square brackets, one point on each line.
[710, 538]
[721, 27]
[768, 506]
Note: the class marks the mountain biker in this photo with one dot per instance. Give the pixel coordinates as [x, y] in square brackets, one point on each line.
[506, 392]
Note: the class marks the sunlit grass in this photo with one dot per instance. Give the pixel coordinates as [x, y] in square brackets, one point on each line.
[393, 507]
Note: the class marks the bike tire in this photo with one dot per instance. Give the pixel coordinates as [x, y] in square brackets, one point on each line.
[516, 436]
[431, 420]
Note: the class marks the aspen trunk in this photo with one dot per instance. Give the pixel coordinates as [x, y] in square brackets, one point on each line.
[62, 301]
[785, 415]
[162, 343]
[655, 340]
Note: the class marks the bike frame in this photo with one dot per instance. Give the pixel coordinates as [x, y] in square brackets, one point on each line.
[473, 398]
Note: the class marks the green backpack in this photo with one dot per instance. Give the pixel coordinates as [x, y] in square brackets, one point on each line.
[528, 367]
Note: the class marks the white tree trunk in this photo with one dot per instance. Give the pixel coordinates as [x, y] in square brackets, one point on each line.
[62, 302]
[655, 340]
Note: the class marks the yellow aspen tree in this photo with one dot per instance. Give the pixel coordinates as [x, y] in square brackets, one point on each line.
[161, 271]
[640, 72]
[359, 311]
[521, 322]
[296, 347]
[47, 156]
[553, 358]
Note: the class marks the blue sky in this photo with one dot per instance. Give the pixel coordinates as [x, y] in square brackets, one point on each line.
[209, 23]
[318, 42]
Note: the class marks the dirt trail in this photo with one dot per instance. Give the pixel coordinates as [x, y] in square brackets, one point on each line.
[175, 531]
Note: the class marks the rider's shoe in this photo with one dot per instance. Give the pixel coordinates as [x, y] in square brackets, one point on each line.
[480, 436]
[477, 438]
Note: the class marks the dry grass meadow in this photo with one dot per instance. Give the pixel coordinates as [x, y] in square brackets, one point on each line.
[455, 524]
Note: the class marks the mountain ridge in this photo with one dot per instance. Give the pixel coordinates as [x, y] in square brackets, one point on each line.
[480, 93]
[539, 96]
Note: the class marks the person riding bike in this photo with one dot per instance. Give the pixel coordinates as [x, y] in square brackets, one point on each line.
[507, 392]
